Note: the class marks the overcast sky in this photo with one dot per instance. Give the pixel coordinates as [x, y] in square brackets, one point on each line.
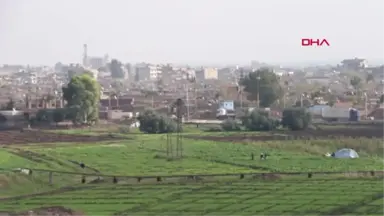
[190, 31]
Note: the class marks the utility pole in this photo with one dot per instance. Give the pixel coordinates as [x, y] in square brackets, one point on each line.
[153, 90]
[258, 92]
[195, 96]
[187, 98]
[366, 105]
[301, 100]
[241, 99]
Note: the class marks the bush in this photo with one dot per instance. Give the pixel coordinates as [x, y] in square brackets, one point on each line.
[152, 122]
[43, 116]
[214, 129]
[258, 120]
[296, 118]
[124, 130]
[230, 125]
[58, 115]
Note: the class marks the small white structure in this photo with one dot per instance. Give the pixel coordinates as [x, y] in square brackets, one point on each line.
[221, 112]
[23, 171]
[345, 153]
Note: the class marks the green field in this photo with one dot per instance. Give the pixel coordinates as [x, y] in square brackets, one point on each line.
[144, 155]
[238, 198]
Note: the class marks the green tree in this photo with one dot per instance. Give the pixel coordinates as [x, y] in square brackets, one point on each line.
[263, 83]
[355, 82]
[117, 69]
[230, 125]
[296, 118]
[369, 78]
[58, 116]
[71, 73]
[42, 116]
[83, 95]
[258, 120]
[152, 122]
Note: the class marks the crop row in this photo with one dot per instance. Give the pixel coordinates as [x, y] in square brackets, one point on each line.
[272, 197]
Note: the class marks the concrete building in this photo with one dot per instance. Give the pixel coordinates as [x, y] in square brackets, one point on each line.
[225, 74]
[154, 72]
[97, 62]
[354, 64]
[210, 73]
[142, 72]
[199, 75]
[94, 62]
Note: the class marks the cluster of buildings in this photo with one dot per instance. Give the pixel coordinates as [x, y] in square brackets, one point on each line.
[39, 87]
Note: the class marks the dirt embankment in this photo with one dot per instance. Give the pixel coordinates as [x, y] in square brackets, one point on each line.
[25, 137]
[374, 132]
[45, 211]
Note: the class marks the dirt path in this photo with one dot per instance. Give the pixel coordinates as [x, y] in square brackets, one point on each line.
[26, 137]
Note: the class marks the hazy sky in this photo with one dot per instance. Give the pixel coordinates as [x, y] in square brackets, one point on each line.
[189, 31]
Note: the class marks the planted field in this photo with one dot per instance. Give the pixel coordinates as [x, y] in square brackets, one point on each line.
[146, 155]
[143, 155]
[130, 159]
[284, 197]
[12, 183]
[285, 156]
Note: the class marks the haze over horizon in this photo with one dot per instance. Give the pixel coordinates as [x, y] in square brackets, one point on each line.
[190, 31]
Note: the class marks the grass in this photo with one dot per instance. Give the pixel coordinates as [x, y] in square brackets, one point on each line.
[283, 197]
[286, 156]
[145, 155]
[10, 182]
[130, 159]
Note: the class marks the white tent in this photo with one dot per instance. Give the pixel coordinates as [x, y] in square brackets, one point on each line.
[345, 153]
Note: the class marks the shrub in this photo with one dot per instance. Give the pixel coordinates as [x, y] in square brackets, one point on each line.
[214, 129]
[58, 115]
[230, 125]
[258, 120]
[42, 116]
[152, 122]
[296, 118]
[124, 130]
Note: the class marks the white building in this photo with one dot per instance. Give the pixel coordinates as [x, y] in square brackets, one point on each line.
[154, 72]
[145, 72]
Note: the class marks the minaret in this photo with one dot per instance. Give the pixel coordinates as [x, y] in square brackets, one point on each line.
[85, 55]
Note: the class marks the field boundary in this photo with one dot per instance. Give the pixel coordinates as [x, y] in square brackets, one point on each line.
[255, 174]
[49, 192]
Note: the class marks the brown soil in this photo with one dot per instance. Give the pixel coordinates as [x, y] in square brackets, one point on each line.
[25, 137]
[45, 211]
[369, 132]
